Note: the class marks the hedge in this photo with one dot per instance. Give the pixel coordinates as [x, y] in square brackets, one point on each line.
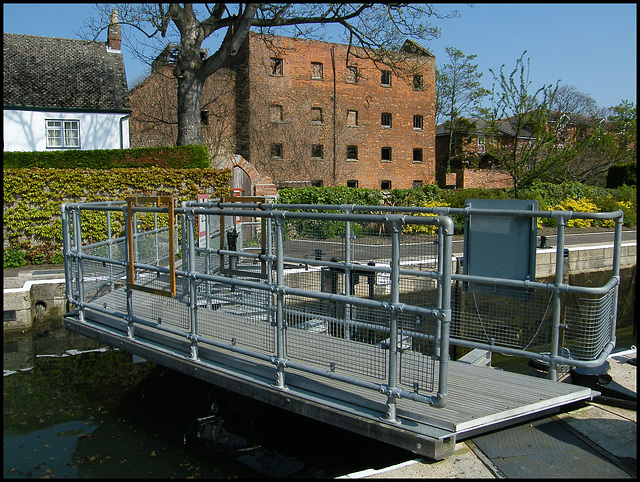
[181, 157]
[32, 228]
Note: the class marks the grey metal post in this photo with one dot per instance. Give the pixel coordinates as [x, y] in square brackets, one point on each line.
[77, 234]
[393, 326]
[193, 302]
[445, 305]
[557, 300]
[441, 261]
[110, 250]
[280, 324]
[616, 272]
[66, 251]
[347, 275]
[129, 318]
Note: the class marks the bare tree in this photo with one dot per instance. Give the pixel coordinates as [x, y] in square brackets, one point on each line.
[379, 29]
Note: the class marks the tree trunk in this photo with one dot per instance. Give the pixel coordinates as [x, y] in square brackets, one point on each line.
[189, 108]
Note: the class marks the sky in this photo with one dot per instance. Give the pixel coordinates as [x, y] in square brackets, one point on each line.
[589, 46]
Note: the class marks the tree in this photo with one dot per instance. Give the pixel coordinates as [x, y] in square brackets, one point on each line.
[458, 92]
[379, 29]
[524, 141]
[570, 100]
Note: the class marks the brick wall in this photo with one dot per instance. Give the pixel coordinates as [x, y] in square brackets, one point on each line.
[298, 94]
[483, 178]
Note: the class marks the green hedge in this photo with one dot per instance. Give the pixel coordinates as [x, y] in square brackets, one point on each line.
[32, 227]
[181, 157]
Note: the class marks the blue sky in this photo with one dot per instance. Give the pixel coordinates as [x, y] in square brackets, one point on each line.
[590, 46]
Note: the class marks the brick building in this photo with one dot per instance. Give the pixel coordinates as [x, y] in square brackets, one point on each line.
[303, 114]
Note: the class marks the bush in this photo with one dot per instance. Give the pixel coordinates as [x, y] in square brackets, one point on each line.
[181, 157]
[13, 258]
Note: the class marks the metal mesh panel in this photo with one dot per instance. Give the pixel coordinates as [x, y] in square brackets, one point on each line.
[239, 316]
[314, 239]
[320, 332]
[516, 318]
[588, 324]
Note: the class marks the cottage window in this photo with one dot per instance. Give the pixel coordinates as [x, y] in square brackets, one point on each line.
[316, 70]
[316, 115]
[352, 74]
[386, 120]
[352, 153]
[276, 151]
[63, 133]
[385, 154]
[385, 185]
[385, 78]
[352, 118]
[417, 122]
[417, 155]
[352, 183]
[276, 66]
[317, 151]
[417, 184]
[417, 82]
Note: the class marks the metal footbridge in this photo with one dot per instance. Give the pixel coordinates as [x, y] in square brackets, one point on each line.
[346, 314]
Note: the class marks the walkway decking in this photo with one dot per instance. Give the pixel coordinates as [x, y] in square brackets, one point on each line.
[480, 399]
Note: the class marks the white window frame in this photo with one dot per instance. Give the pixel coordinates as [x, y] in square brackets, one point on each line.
[64, 128]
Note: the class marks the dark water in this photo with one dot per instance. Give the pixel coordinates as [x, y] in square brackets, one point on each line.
[74, 408]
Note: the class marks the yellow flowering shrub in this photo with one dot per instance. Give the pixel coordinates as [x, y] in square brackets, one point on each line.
[421, 228]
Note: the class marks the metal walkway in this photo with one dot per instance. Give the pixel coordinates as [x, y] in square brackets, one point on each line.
[340, 316]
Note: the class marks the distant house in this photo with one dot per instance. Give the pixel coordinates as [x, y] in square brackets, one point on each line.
[64, 94]
[471, 166]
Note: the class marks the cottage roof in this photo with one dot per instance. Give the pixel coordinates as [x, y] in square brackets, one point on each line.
[482, 127]
[57, 73]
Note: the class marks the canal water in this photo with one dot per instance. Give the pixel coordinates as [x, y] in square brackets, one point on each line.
[74, 408]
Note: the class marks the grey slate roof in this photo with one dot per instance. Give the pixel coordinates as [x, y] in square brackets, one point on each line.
[49, 72]
[482, 127]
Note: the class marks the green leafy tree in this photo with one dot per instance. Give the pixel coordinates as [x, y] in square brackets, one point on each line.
[458, 93]
[379, 29]
[524, 142]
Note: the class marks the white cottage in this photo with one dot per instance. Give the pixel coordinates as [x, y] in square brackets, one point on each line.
[64, 94]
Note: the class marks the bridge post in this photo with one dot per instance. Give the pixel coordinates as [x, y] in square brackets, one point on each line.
[193, 302]
[280, 323]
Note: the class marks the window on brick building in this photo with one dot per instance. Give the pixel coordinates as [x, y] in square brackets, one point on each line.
[481, 145]
[317, 183]
[417, 155]
[276, 151]
[417, 122]
[386, 119]
[352, 183]
[385, 78]
[385, 154]
[275, 113]
[316, 70]
[352, 153]
[417, 184]
[276, 66]
[316, 115]
[317, 151]
[204, 117]
[352, 118]
[417, 82]
[385, 185]
[352, 74]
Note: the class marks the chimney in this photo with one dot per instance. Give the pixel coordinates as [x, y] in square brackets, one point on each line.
[114, 39]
